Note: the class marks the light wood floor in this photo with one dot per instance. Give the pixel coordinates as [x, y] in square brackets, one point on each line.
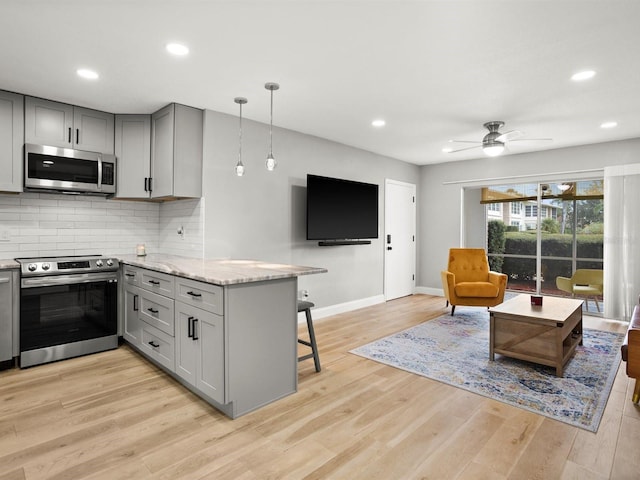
[114, 416]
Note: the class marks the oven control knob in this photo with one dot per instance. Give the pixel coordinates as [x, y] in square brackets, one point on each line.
[32, 267]
[46, 266]
[109, 263]
[98, 263]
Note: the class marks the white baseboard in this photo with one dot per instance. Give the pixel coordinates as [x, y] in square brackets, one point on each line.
[318, 313]
[438, 292]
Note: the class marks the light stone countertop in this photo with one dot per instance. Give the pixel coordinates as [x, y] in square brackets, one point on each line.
[218, 272]
[6, 264]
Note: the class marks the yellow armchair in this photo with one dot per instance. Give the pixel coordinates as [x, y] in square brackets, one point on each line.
[468, 281]
[585, 282]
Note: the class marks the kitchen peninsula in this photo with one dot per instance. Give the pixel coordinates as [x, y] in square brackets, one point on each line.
[226, 329]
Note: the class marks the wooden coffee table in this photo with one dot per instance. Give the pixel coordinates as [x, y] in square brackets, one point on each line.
[546, 334]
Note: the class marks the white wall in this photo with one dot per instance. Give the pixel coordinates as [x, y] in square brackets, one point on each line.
[442, 184]
[263, 214]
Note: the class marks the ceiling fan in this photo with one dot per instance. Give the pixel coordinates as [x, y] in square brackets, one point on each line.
[494, 142]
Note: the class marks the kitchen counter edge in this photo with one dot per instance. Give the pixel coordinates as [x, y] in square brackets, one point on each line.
[8, 264]
[218, 272]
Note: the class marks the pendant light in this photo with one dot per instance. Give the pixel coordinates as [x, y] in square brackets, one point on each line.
[240, 166]
[271, 162]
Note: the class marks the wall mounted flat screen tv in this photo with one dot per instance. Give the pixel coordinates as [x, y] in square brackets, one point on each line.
[341, 209]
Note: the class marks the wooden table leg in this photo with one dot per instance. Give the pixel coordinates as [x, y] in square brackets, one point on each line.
[492, 337]
[559, 351]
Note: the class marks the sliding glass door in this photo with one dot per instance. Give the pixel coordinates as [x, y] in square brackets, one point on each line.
[541, 231]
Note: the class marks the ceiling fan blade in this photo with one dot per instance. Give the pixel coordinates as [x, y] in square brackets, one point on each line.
[533, 139]
[509, 136]
[464, 141]
[463, 149]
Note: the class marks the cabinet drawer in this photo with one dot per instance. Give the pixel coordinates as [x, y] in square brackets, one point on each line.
[157, 282]
[159, 346]
[202, 295]
[157, 311]
[131, 275]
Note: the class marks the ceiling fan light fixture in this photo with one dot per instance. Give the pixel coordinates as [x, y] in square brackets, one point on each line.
[493, 149]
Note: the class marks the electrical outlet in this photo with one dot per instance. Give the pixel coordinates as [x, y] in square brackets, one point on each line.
[5, 235]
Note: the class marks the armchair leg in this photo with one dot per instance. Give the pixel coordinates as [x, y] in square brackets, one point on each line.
[636, 392]
[447, 304]
[453, 308]
[595, 299]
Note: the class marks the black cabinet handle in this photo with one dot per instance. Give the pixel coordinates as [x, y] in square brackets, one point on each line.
[129, 274]
[154, 344]
[194, 294]
[195, 330]
[154, 282]
[190, 327]
[77, 136]
[69, 134]
[152, 310]
[135, 303]
[150, 184]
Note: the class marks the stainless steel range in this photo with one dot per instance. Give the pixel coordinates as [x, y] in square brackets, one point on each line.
[68, 307]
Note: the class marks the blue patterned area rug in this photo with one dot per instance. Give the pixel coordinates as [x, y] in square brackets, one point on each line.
[455, 351]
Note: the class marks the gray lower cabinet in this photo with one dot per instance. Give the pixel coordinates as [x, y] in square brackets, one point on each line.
[9, 300]
[200, 350]
[132, 328]
[158, 346]
[234, 345]
[156, 310]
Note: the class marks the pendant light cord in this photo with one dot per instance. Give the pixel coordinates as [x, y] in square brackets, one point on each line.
[271, 127]
[240, 137]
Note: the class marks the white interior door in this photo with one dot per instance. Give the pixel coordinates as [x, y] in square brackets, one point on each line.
[399, 239]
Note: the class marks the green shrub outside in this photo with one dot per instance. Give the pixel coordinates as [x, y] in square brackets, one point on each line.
[553, 245]
[496, 243]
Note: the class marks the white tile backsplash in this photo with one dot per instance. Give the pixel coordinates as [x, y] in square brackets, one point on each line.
[51, 224]
[54, 225]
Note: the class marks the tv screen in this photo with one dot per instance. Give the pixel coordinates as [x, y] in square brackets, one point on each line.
[341, 209]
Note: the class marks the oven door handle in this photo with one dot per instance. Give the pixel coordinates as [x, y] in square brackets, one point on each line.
[56, 280]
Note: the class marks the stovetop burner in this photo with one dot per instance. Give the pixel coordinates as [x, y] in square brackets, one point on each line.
[40, 266]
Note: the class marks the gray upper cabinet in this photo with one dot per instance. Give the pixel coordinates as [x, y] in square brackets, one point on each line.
[66, 126]
[176, 152]
[133, 150]
[11, 140]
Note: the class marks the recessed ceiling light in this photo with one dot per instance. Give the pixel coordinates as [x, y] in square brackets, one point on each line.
[177, 49]
[608, 124]
[378, 123]
[86, 73]
[447, 150]
[584, 75]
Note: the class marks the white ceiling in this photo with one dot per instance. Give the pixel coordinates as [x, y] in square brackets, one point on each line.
[434, 70]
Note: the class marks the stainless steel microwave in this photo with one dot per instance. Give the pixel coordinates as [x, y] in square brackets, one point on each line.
[68, 170]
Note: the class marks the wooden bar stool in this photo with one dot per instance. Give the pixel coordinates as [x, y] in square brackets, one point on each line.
[304, 306]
